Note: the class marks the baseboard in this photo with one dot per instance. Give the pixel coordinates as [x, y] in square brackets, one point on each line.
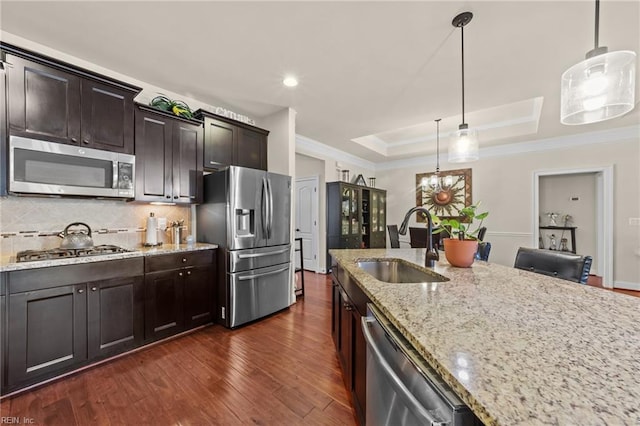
[626, 285]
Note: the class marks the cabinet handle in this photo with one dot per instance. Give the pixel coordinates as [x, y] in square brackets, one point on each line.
[94, 288]
[81, 291]
[347, 306]
[188, 272]
[212, 162]
[180, 273]
[74, 140]
[184, 260]
[168, 197]
[85, 141]
[175, 197]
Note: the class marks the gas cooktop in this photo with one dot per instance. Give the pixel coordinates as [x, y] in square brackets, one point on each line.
[32, 255]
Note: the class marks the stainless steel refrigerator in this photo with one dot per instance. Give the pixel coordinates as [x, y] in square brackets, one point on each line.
[247, 212]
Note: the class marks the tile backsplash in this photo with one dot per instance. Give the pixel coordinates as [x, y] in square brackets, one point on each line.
[32, 223]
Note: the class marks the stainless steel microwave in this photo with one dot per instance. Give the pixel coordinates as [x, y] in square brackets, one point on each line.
[39, 167]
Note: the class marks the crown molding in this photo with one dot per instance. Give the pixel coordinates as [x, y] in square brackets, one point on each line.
[313, 148]
[561, 142]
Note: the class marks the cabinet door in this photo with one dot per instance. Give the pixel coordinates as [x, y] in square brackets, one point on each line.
[43, 101]
[107, 117]
[198, 296]
[164, 304]
[359, 368]
[219, 140]
[47, 332]
[251, 149]
[153, 157]
[115, 316]
[346, 338]
[335, 314]
[187, 163]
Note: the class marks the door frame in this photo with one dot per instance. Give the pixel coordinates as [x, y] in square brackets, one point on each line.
[604, 215]
[315, 212]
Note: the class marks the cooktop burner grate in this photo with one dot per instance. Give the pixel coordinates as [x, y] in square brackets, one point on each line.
[32, 255]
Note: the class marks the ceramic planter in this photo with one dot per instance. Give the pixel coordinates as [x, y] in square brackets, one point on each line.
[460, 253]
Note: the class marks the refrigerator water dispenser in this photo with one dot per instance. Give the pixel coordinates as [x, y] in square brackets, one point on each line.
[245, 222]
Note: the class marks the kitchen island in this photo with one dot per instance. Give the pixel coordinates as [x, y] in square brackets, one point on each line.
[517, 347]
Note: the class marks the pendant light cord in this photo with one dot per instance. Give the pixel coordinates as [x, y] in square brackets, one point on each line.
[462, 42]
[597, 24]
[438, 145]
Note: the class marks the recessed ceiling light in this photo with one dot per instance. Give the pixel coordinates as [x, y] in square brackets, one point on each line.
[290, 81]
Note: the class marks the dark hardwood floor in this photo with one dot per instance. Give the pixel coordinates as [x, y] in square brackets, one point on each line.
[281, 370]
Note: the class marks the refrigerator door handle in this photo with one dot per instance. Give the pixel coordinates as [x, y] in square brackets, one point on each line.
[264, 208]
[264, 274]
[270, 228]
[249, 256]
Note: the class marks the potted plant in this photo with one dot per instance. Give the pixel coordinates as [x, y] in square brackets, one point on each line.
[461, 246]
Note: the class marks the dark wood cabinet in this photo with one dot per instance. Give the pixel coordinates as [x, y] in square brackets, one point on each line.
[168, 157]
[356, 217]
[229, 142]
[61, 318]
[115, 315]
[58, 102]
[47, 332]
[179, 291]
[43, 101]
[348, 307]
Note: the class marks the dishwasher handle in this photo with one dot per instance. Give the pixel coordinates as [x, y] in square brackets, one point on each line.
[400, 388]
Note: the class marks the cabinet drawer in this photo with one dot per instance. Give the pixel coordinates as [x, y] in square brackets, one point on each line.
[163, 262]
[53, 276]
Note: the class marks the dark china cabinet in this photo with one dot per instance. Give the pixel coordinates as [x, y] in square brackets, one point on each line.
[356, 217]
[58, 102]
[61, 318]
[179, 292]
[229, 142]
[168, 157]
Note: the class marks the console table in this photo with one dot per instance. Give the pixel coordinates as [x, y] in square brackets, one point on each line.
[571, 229]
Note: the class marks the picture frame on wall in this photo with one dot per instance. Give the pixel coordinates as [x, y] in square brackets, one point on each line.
[448, 202]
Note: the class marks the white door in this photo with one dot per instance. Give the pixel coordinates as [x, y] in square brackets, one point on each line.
[307, 221]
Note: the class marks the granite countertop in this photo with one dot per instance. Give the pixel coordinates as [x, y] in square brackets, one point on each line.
[8, 262]
[518, 347]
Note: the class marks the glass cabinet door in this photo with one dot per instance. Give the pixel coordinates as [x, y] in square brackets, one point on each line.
[374, 211]
[355, 211]
[382, 208]
[345, 214]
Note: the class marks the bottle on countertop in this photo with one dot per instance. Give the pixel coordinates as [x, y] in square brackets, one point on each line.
[152, 230]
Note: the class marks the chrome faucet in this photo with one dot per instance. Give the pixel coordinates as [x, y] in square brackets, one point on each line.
[431, 254]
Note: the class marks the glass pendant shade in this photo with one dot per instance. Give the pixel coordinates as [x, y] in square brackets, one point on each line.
[463, 146]
[599, 88]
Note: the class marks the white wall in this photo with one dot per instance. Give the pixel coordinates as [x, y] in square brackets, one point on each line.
[314, 155]
[556, 194]
[504, 184]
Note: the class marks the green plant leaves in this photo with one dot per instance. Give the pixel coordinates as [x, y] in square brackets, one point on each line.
[176, 107]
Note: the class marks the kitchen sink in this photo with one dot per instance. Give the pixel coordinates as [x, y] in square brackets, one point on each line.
[398, 271]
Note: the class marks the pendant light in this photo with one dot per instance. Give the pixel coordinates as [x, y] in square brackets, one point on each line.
[463, 147]
[599, 88]
[437, 182]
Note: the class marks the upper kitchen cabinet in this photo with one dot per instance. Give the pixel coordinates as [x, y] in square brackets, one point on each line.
[168, 157]
[229, 142]
[57, 102]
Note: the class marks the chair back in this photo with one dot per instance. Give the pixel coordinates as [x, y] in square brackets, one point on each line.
[484, 248]
[418, 237]
[394, 236]
[560, 264]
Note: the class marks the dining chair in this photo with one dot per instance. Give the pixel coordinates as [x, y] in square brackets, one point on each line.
[567, 266]
[394, 236]
[418, 237]
[484, 247]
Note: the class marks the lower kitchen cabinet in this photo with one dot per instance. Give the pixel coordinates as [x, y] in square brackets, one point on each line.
[61, 318]
[179, 291]
[349, 304]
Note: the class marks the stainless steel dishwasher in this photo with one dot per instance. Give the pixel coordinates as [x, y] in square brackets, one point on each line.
[401, 388]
